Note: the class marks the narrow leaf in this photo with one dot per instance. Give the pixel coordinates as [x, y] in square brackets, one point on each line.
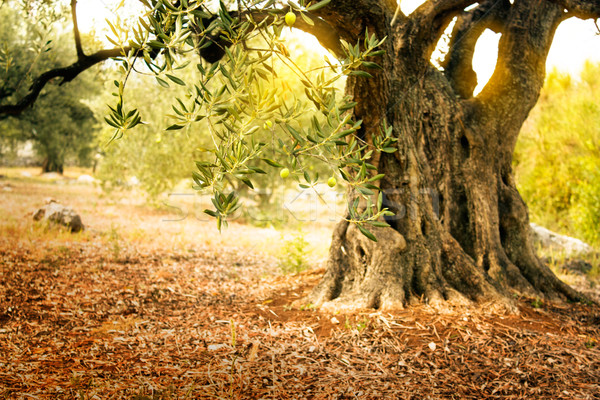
[365, 232]
[176, 80]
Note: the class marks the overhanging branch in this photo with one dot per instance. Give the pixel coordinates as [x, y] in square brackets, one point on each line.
[324, 32]
[349, 18]
[433, 9]
[66, 73]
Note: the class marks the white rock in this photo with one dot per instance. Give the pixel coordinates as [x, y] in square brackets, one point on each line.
[53, 176]
[548, 239]
[87, 179]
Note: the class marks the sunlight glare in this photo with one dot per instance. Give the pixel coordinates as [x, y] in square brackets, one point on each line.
[305, 42]
[484, 58]
[408, 6]
[92, 15]
[575, 42]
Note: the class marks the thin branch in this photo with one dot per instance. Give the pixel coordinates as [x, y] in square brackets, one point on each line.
[78, 47]
[66, 73]
[322, 30]
[398, 14]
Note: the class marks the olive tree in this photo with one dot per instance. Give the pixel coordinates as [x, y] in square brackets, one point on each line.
[433, 213]
[60, 125]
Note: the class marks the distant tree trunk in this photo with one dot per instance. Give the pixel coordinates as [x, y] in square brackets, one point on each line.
[461, 231]
[52, 164]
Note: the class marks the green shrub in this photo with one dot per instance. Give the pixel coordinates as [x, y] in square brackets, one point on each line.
[557, 158]
[293, 254]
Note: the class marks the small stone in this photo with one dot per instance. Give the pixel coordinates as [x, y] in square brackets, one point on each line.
[215, 347]
[56, 213]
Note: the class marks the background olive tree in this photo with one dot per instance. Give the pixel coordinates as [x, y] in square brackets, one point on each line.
[61, 125]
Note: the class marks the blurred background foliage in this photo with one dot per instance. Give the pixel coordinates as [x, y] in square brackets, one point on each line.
[557, 159]
[61, 127]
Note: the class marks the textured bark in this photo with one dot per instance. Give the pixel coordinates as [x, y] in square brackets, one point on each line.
[461, 230]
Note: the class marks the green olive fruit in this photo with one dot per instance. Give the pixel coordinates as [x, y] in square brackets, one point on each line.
[284, 173]
[290, 18]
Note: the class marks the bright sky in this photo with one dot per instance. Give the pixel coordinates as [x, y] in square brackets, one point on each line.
[575, 40]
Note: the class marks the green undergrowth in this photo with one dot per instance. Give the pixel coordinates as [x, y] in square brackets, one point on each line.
[557, 157]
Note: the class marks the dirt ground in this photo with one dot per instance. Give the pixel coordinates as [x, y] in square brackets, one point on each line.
[142, 307]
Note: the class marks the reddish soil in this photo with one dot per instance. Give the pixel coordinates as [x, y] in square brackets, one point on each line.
[101, 316]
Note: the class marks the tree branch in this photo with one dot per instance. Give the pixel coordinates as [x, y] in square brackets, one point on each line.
[78, 47]
[331, 24]
[520, 70]
[66, 73]
[350, 18]
[584, 9]
[430, 20]
[433, 9]
[322, 30]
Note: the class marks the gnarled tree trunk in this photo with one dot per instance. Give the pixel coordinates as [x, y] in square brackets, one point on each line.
[461, 230]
